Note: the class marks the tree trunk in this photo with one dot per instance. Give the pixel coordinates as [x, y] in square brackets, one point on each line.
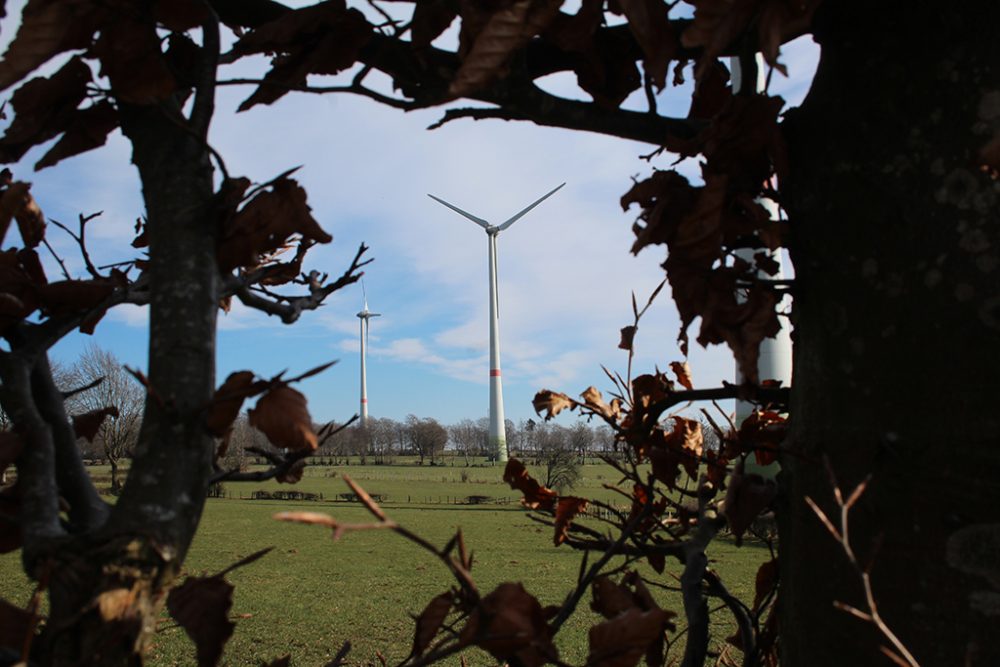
[116, 484]
[896, 249]
[107, 591]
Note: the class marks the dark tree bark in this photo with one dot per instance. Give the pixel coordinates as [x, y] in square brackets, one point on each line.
[155, 519]
[896, 245]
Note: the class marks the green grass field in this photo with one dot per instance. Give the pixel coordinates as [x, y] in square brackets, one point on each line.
[310, 594]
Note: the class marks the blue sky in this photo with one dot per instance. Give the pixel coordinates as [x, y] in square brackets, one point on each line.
[566, 274]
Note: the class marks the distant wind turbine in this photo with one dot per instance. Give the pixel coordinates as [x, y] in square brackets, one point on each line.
[364, 316]
[497, 435]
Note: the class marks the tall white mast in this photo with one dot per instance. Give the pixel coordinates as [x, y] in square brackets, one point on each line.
[364, 316]
[497, 434]
[775, 360]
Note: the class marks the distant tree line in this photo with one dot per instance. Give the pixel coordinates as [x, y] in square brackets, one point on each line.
[558, 449]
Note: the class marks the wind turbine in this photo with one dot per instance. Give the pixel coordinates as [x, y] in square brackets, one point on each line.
[364, 316]
[497, 435]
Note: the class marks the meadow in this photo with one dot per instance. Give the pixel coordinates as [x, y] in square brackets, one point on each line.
[310, 594]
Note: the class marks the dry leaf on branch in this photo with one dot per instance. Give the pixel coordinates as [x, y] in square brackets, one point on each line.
[88, 424]
[747, 496]
[324, 38]
[228, 400]
[594, 400]
[281, 414]
[294, 473]
[682, 370]
[510, 624]
[536, 496]
[567, 509]
[47, 29]
[552, 402]
[504, 32]
[17, 203]
[266, 223]
[623, 640]
[201, 606]
[430, 621]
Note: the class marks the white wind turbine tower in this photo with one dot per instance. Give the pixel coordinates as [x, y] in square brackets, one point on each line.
[775, 362]
[364, 316]
[497, 435]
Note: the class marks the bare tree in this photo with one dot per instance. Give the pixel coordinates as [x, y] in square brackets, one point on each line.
[427, 436]
[468, 437]
[118, 389]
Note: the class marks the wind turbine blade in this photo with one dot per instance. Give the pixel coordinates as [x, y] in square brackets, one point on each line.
[479, 221]
[517, 216]
[374, 314]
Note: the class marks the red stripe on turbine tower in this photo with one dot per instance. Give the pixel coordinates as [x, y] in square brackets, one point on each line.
[364, 400]
[494, 372]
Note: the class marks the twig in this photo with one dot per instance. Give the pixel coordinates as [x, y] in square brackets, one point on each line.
[901, 655]
[290, 312]
[203, 106]
[58, 259]
[394, 102]
[475, 113]
[695, 603]
[79, 390]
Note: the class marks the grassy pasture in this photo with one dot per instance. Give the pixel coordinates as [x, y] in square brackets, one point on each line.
[310, 594]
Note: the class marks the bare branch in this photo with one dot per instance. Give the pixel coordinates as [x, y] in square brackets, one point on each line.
[86, 508]
[79, 390]
[204, 100]
[476, 113]
[291, 311]
[901, 655]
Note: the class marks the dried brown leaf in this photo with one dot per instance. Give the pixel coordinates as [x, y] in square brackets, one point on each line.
[536, 496]
[88, 424]
[47, 29]
[610, 599]
[509, 623]
[265, 225]
[567, 509]
[765, 582]
[294, 473]
[281, 414]
[430, 19]
[66, 297]
[201, 606]
[324, 38]
[624, 640]
[430, 621]
[594, 400]
[131, 57]
[552, 402]
[649, 22]
[627, 337]
[228, 400]
[17, 203]
[42, 107]
[506, 31]
[85, 130]
[682, 370]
